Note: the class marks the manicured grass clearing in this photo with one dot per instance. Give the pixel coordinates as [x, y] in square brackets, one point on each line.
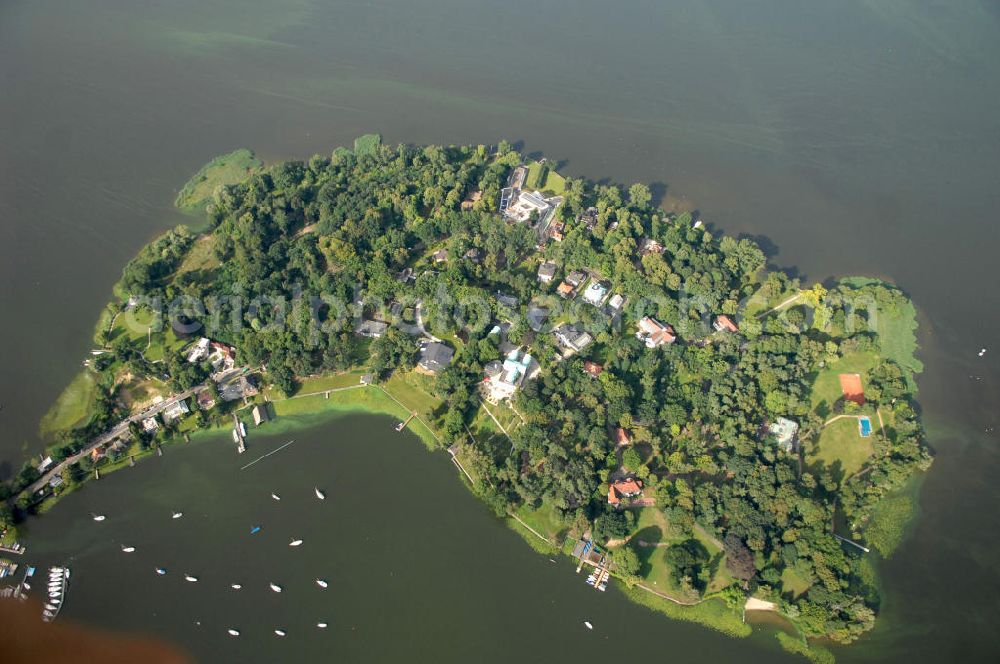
[330, 381]
[793, 583]
[545, 519]
[135, 325]
[652, 526]
[826, 387]
[554, 184]
[413, 391]
[72, 408]
[224, 169]
[840, 442]
[364, 399]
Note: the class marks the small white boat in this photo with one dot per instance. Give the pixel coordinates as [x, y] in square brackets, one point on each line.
[177, 515]
[192, 579]
[279, 632]
[54, 595]
[588, 625]
[276, 496]
[603, 587]
[321, 625]
[99, 517]
[128, 549]
[321, 583]
[275, 587]
[233, 632]
[235, 586]
[295, 542]
[319, 494]
[161, 570]
[50, 607]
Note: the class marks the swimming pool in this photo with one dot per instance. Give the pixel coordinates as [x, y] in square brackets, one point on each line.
[865, 425]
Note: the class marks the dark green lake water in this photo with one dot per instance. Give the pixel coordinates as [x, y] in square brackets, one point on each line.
[855, 137]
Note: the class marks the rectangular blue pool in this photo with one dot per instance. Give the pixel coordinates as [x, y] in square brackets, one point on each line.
[865, 425]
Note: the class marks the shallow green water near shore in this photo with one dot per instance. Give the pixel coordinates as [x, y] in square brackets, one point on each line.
[858, 137]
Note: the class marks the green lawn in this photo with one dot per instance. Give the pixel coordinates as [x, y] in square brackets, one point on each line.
[225, 169]
[329, 381]
[365, 399]
[554, 184]
[841, 443]
[414, 391]
[544, 519]
[793, 583]
[826, 388]
[653, 527]
[72, 408]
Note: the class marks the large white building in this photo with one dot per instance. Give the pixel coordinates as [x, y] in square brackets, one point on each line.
[526, 203]
[515, 368]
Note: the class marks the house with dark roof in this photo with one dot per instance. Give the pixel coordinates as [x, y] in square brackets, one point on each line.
[572, 337]
[547, 272]
[434, 357]
[259, 415]
[373, 329]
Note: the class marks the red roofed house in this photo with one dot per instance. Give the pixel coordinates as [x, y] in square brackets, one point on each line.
[628, 488]
[654, 333]
[725, 324]
[593, 368]
[622, 437]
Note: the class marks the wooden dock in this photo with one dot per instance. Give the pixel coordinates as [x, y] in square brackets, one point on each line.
[402, 425]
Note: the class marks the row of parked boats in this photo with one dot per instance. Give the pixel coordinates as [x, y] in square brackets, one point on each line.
[57, 584]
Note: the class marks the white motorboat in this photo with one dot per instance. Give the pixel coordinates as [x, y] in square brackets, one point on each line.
[177, 515]
[321, 625]
[99, 517]
[128, 549]
[295, 542]
[276, 496]
[319, 494]
[233, 632]
[235, 586]
[587, 623]
[279, 632]
[275, 587]
[161, 570]
[321, 583]
[192, 579]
